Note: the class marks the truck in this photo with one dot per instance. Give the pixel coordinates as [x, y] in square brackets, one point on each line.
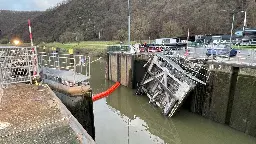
[166, 41]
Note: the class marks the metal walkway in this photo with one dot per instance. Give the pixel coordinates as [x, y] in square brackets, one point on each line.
[169, 79]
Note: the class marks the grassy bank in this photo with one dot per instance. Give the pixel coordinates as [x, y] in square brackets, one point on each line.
[95, 48]
[84, 44]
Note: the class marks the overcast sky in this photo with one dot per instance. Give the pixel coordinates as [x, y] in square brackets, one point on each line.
[27, 5]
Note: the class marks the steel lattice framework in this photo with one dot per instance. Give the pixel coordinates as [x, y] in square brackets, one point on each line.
[169, 79]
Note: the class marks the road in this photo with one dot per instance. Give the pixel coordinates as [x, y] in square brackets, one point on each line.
[244, 56]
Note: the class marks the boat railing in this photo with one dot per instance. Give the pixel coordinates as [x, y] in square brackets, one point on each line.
[78, 64]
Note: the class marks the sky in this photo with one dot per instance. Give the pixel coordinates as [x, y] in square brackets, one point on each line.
[27, 5]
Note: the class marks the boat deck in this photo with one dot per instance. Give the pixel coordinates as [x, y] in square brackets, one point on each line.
[65, 75]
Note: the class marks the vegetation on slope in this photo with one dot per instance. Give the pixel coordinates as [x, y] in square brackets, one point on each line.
[78, 20]
[12, 19]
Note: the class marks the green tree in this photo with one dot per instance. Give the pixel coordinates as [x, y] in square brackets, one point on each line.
[67, 37]
[171, 29]
[4, 41]
[121, 35]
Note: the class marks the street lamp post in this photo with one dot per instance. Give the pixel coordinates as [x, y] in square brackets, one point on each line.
[244, 20]
[232, 27]
[231, 34]
[129, 24]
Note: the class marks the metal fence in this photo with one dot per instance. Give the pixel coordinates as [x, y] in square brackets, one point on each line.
[246, 57]
[17, 64]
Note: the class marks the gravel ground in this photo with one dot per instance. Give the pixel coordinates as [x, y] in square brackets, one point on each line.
[31, 116]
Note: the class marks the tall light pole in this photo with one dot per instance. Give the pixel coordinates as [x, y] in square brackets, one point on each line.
[232, 27]
[129, 24]
[231, 34]
[233, 19]
[244, 20]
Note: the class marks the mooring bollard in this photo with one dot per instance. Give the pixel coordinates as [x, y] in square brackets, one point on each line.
[71, 57]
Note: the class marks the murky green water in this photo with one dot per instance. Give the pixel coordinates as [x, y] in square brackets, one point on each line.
[124, 118]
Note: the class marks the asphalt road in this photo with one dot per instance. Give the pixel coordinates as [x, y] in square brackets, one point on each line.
[244, 56]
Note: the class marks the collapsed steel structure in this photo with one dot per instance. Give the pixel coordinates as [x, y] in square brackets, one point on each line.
[169, 79]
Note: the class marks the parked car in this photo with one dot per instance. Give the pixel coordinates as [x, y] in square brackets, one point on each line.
[142, 49]
[221, 50]
[154, 49]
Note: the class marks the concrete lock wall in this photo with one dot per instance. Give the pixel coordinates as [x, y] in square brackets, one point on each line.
[120, 68]
[113, 65]
[243, 115]
[126, 68]
[81, 108]
[228, 98]
[211, 100]
[126, 62]
[217, 95]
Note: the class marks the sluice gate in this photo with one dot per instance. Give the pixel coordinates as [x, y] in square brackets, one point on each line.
[169, 79]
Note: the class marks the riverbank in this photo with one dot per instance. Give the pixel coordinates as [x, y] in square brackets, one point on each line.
[91, 48]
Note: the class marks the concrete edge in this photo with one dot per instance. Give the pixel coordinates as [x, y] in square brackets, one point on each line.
[241, 65]
[73, 122]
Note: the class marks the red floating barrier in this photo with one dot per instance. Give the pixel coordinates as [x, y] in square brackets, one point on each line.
[106, 93]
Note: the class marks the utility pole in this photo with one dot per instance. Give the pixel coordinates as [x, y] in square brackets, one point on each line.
[129, 24]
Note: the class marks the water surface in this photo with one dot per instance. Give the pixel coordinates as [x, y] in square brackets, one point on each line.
[124, 118]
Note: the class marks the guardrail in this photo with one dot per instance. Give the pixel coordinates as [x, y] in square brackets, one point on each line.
[17, 64]
[246, 57]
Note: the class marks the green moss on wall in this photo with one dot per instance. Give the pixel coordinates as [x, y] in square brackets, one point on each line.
[242, 102]
[216, 101]
[251, 124]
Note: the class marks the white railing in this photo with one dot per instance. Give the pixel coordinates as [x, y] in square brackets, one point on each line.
[79, 64]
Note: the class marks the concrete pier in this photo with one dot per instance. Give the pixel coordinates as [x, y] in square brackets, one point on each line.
[121, 67]
[228, 98]
[28, 115]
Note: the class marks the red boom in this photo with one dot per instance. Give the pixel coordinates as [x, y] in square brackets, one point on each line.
[106, 93]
